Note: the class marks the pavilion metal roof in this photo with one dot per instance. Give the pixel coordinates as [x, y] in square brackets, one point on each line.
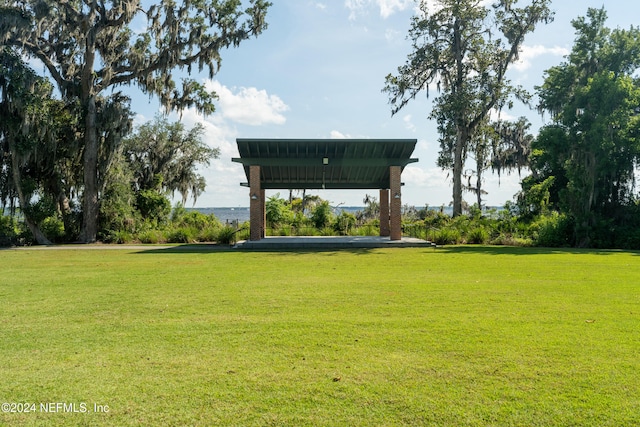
[296, 164]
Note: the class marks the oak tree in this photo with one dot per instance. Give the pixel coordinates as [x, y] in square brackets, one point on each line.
[592, 146]
[24, 99]
[463, 49]
[89, 47]
[166, 155]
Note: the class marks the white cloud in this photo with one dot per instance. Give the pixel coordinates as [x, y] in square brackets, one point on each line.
[338, 135]
[217, 134]
[529, 53]
[248, 106]
[139, 119]
[496, 115]
[334, 134]
[408, 123]
[425, 178]
[393, 35]
[223, 177]
[387, 7]
[355, 7]
[433, 6]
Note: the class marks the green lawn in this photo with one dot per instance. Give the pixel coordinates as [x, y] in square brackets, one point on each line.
[466, 336]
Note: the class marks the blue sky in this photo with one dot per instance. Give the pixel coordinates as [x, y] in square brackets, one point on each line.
[318, 72]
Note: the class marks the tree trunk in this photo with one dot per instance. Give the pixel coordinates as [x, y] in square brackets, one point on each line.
[589, 200]
[479, 186]
[64, 209]
[457, 173]
[90, 201]
[38, 235]
[461, 139]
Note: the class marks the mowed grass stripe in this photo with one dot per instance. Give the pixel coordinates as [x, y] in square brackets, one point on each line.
[461, 336]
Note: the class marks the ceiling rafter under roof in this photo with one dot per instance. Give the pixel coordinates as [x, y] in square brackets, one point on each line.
[296, 164]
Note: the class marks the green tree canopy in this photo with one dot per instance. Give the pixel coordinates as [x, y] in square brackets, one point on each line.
[90, 46]
[592, 146]
[28, 133]
[166, 155]
[464, 49]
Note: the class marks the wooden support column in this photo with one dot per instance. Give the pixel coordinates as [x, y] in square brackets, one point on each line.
[256, 194]
[384, 213]
[263, 203]
[395, 211]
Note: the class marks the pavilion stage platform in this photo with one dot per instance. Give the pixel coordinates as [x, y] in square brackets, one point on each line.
[331, 242]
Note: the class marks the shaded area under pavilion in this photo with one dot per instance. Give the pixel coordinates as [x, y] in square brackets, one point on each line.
[332, 164]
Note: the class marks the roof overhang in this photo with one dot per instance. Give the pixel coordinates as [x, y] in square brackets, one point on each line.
[292, 164]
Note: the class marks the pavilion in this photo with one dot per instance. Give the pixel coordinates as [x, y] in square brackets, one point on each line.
[312, 164]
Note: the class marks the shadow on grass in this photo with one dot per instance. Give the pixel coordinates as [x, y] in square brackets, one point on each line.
[518, 250]
[213, 248]
[325, 251]
[188, 248]
[471, 249]
[210, 248]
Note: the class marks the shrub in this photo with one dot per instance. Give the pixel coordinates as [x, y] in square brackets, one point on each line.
[299, 220]
[285, 230]
[365, 230]
[507, 222]
[117, 208]
[8, 231]
[42, 209]
[462, 224]
[410, 213]
[446, 236]
[178, 212]
[53, 228]
[436, 219]
[153, 206]
[306, 231]
[321, 215]
[553, 230]
[151, 237]
[180, 217]
[180, 235]
[208, 234]
[475, 212]
[243, 232]
[509, 240]
[534, 198]
[226, 235]
[327, 231]
[277, 211]
[417, 230]
[628, 238]
[478, 235]
[344, 223]
[119, 237]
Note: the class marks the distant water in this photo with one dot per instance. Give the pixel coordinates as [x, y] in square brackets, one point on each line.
[241, 214]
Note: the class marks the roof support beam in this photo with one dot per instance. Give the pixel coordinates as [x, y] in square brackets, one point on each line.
[314, 185]
[274, 161]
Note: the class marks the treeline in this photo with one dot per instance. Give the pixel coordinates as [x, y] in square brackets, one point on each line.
[58, 154]
[159, 159]
[583, 163]
[74, 168]
[515, 224]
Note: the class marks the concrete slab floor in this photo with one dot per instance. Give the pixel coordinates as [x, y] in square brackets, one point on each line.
[331, 242]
